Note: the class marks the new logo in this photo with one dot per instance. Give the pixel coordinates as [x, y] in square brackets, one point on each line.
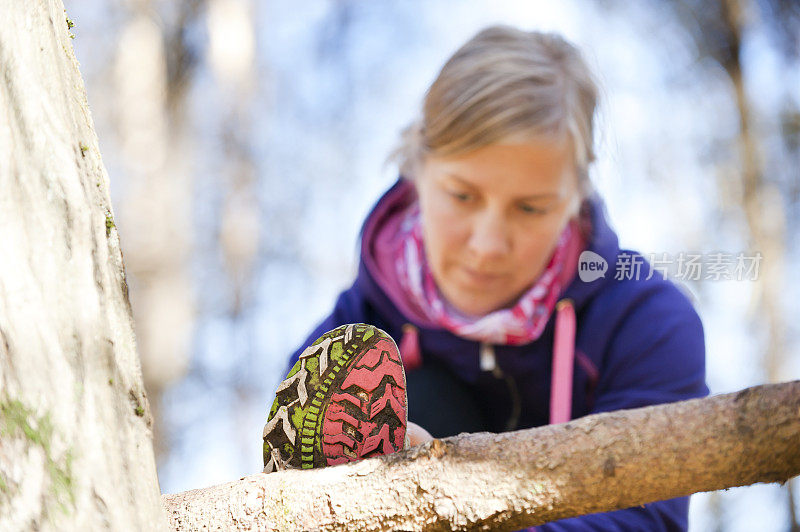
[591, 266]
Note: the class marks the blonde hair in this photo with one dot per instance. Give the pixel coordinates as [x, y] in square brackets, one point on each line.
[500, 84]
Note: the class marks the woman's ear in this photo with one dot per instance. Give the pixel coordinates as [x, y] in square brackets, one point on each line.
[578, 195]
[415, 174]
[410, 178]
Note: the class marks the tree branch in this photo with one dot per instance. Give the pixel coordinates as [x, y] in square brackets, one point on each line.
[512, 480]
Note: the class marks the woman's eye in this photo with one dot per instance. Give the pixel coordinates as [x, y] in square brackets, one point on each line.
[462, 197]
[530, 209]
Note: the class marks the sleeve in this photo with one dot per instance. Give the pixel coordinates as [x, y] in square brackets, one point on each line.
[349, 308]
[656, 356]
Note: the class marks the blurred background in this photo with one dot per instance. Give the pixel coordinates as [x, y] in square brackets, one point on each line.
[246, 141]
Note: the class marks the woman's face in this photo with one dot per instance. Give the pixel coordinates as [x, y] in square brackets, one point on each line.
[491, 218]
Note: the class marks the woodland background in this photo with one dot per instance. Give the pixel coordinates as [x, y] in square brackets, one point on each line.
[246, 140]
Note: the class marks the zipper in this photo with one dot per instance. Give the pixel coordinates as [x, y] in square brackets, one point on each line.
[488, 362]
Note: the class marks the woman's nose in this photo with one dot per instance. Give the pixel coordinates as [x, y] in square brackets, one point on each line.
[490, 236]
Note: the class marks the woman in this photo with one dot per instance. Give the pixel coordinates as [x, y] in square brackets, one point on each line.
[471, 263]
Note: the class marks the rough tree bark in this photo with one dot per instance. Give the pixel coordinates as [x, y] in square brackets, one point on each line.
[75, 442]
[513, 480]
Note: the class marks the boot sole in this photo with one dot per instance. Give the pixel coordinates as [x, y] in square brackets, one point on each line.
[343, 400]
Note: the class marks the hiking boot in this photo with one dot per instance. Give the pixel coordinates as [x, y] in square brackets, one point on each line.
[344, 399]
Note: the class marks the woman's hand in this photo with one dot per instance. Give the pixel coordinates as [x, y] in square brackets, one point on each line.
[416, 434]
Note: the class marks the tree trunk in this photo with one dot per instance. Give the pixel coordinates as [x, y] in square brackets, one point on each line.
[763, 211]
[75, 441]
[513, 480]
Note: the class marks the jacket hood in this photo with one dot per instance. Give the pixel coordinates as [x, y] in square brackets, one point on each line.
[602, 240]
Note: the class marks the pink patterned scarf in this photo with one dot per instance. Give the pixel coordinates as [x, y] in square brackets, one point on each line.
[520, 324]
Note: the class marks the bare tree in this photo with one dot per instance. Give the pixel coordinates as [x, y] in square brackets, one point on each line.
[153, 68]
[758, 179]
[719, 30]
[75, 425]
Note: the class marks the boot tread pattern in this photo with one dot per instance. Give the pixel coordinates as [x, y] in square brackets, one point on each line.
[344, 399]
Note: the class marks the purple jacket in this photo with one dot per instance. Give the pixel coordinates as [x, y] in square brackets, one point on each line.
[637, 343]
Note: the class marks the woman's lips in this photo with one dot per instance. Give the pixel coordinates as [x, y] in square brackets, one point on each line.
[478, 277]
